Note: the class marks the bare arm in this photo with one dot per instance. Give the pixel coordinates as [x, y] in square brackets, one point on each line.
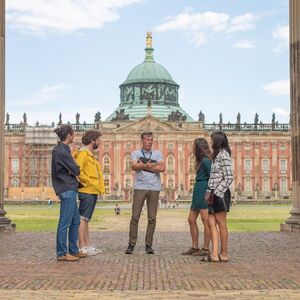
[153, 167]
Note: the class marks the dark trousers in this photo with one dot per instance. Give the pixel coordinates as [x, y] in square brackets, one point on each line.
[139, 198]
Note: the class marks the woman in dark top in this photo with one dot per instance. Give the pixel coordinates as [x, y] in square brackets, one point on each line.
[199, 206]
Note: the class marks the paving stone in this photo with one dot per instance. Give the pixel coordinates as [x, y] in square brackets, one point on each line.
[261, 265]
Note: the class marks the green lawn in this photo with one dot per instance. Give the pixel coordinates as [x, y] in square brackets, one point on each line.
[247, 218]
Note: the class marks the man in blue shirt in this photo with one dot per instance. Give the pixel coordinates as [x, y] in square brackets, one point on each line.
[147, 164]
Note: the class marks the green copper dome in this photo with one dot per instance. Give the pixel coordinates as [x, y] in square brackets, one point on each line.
[149, 71]
[148, 85]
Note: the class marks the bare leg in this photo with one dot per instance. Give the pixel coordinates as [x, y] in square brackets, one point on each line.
[214, 234]
[221, 221]
[194, 227]
[204, 217]
[82, 233]
[87, 235]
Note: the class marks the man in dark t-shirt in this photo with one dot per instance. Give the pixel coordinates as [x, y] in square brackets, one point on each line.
[64, 171]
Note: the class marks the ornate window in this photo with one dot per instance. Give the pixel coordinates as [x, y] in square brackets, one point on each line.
[192, 163]
[247, 165]
[265, 165]
[106, 164]
[266, 185]
[107, 185]
[283, 165]
[192, 182]
[170, 164]
[15, 165]
[283, 185]
[170, 183]
[127, 164]
[248, 185]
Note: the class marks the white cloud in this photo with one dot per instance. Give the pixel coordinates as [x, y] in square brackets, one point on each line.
[278, 88]
[242, 23]
[281, 35]
[42, 16]
[281, 112]
[244, 44]
[198, 26]
[44, 95]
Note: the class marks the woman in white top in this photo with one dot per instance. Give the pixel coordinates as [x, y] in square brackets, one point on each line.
[219, 182]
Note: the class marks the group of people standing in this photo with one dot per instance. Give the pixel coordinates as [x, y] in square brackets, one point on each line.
[80, 175]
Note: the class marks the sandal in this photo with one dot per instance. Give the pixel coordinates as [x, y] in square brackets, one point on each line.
[209, 259]
[223, 260]
[201, 252]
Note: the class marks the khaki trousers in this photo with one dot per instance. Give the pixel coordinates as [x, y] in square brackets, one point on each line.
[139, 197]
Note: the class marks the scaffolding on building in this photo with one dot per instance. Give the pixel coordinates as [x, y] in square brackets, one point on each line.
[39, 142]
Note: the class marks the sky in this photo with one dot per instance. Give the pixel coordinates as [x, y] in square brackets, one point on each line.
[70, 56]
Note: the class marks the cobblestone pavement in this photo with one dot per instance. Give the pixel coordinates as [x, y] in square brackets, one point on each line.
[262, 265]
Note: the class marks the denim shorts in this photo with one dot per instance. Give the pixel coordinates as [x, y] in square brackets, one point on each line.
[87, 203]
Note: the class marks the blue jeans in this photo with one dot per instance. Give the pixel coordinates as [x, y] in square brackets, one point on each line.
[68, 219]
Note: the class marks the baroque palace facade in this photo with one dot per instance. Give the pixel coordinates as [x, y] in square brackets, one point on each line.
[261, 153]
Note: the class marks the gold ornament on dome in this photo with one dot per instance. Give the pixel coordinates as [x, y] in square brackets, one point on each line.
[149, 39]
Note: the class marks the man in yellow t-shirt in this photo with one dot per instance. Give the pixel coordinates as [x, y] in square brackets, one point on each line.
[91, 179]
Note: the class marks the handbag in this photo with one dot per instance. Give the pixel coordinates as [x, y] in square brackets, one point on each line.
[209, 196]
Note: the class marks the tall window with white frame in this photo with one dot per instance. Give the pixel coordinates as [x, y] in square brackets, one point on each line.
[283, 165]
[247, 164]
[265, 165]
[106, 164]
[170, 164]
[283, 185]
[127, 164]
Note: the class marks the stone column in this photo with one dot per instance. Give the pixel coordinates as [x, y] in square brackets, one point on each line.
[5, 224]
[293, 222]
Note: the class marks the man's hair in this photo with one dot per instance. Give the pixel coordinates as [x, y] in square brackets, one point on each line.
[146, 133]
[63, 132]
[89, 136]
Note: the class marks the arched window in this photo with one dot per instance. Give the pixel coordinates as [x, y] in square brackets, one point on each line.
[106, 164]
[192, 163]
[170, 164]
[127, 164]
[107, 186]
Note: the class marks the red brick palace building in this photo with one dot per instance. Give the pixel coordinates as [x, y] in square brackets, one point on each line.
[149, 101]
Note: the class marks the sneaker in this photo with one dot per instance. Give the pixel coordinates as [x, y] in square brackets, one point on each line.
[191, 251]
[95, 249]
[90, 250]
[67, 257]
[130, 249]
[149, 249]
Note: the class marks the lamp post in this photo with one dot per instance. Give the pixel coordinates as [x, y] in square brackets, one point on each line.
[5, 223]
[293, 222]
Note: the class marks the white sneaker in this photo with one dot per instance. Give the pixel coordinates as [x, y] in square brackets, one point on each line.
[92, 250]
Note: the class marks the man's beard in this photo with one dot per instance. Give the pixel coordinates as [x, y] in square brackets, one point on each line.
[95, 146]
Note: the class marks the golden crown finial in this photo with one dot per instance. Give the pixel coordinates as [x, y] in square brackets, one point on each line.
[149, 39]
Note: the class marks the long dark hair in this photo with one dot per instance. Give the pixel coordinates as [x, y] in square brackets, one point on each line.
[219, 142]
[201, 150]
